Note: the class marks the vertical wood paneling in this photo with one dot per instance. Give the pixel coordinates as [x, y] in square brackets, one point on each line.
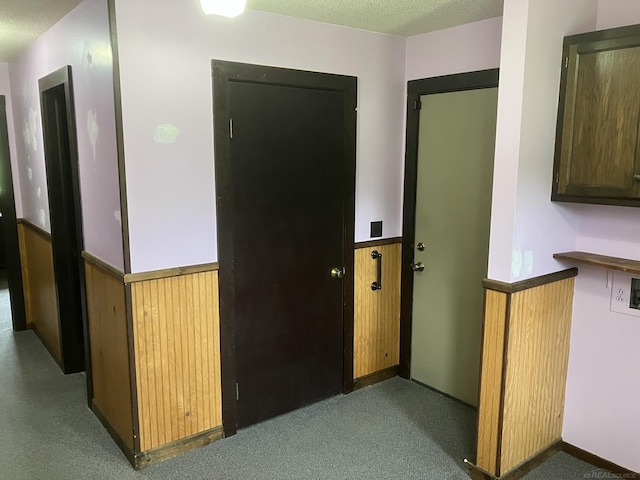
[536, 371]
[107, 322]
[495, 315]
[22, 242]
[176, 337]
[377, 313]
[41, 304]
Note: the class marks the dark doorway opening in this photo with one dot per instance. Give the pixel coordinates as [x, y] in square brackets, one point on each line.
[8, 224]
[61, 161]
[285, 182]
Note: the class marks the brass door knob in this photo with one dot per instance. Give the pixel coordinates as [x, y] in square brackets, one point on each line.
[417, 267]
[636, 177]
[337, 272]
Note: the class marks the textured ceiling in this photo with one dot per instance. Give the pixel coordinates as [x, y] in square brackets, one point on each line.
[22, 21]
[397, 17]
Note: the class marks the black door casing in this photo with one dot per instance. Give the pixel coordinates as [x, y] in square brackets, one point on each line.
[10, 227]
[61, 161]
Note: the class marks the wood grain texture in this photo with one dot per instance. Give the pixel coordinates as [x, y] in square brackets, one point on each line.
[41, 305]
[177, 355]
[603, 261]
[529, 282]
[170, 272]
[149, 457]
[607, 89]
[489, 404]
[536, 371]
[377, 313]
[107, 322]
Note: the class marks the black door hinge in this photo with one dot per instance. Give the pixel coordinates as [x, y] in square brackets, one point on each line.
[417, 104]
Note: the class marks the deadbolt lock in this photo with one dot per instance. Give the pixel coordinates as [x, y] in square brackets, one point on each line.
[421, 247]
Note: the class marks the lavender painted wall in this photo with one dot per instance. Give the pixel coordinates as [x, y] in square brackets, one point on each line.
[82, 40]
[467, 48]
[601, 412]
[526, 227]
[5, 89]
[165, 53]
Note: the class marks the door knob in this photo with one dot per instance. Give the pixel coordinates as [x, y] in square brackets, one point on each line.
[417, 267]
[337, 272]
[636, 177]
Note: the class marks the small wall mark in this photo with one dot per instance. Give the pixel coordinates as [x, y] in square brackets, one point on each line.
[93, 130]
[29, 131]
[166, 133]
[43, 218]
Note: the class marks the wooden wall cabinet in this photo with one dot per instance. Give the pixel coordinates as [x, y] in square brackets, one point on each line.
[597, 155]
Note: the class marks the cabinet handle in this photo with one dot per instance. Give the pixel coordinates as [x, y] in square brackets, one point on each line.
[377, 285]
[636, 177]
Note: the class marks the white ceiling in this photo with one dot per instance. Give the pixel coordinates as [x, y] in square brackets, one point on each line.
[22, 21]
[397, 17]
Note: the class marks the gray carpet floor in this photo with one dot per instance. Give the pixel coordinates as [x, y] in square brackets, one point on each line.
[393, 430]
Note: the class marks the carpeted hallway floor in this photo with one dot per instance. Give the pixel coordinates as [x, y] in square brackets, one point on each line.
[393, 430]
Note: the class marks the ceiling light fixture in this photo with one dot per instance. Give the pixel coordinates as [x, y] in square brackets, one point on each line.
[226, 8]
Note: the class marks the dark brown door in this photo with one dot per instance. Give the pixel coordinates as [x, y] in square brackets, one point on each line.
[61, 163]
[285, 206]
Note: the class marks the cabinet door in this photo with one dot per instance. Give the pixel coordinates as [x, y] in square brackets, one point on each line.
[600, 115]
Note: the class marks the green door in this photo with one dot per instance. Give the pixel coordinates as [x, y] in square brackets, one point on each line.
[453, 210]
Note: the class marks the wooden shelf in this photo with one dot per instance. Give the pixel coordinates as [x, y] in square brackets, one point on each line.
[613, 263]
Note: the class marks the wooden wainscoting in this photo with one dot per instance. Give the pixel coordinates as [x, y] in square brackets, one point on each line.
[41, 304]
[177, 357]
[489, 404]
[525, 354]
[109, 339]
[376, 345]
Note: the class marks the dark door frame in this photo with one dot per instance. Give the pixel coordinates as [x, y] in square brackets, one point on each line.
[223, 74]
[415, 89]
[67, 249]
[10, 227]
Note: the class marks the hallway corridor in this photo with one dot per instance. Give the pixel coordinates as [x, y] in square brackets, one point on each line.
[392, 430]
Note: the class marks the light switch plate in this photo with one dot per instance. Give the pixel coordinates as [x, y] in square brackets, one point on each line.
[376, 229]
[621, 294]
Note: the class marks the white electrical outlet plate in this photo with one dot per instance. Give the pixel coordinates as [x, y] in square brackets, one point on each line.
[620, 294]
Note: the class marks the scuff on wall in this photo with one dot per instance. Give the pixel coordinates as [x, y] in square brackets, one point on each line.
[93, 130]
[166, 133]
[30, 131]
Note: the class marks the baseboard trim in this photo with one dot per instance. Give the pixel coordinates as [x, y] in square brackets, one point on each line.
[534, 282]
[521, 470]
[115, 435]
[378, 243]
[597, 461]
[375, 377]
[102, 265]
[170, 272]
[34, 228]
[173, 449]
